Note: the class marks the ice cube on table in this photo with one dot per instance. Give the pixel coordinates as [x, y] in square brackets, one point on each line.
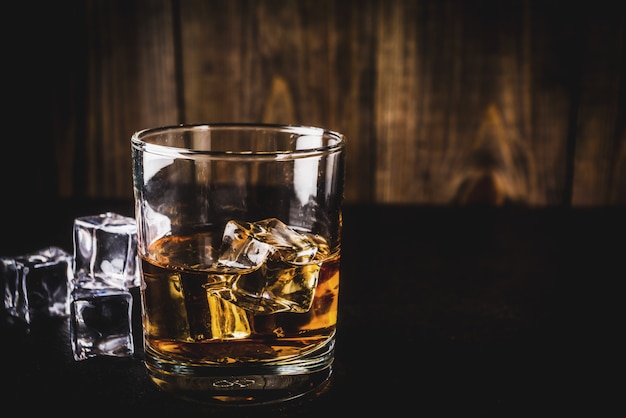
[101, 323]
[105, 251]
[37, 283]
[268, 267]
[14, 289]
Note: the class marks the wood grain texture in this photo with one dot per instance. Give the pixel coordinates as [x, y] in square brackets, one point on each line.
[130, 86]
[600, 138]
[443, 102]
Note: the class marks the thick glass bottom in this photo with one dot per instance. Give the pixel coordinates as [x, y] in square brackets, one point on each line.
[243, 385]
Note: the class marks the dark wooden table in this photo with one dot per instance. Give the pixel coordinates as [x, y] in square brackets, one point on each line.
[443, 311]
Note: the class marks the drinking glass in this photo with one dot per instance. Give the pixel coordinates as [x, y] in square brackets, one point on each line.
[239, 240]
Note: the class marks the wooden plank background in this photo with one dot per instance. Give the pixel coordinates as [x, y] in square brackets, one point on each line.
[443, 102]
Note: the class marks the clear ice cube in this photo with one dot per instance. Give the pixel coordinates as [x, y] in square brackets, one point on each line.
[101, 323]
[268, 267]
[105, 251]
[247, 245]
[14, 289]
[37, 284]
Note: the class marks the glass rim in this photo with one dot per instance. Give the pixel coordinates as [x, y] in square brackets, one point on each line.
[138, 141]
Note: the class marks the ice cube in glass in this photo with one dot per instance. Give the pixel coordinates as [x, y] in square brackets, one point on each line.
[268, 267]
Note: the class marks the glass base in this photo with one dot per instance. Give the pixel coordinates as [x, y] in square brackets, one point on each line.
[248, 385]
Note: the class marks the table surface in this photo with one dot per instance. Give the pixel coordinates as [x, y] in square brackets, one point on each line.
[509, 311]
